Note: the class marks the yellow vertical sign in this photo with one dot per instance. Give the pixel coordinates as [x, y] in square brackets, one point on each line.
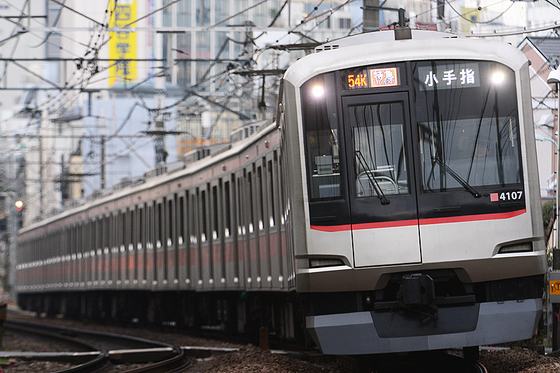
[122, 46]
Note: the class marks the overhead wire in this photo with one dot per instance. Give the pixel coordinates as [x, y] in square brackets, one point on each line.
[50, 33]
[93, 48]
[304, 21]
[481, 22]
[85, 80]
[63, 94]
[51, 29]
[77, 81]
[86, 67]
[82, 79]
[6, 63]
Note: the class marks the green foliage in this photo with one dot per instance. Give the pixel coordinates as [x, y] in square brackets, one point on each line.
[548, 212]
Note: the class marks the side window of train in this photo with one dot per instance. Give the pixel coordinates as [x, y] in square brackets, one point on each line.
[260, 198]
[227, 207]
[271, 191]
[170, 226]
[250, 196]
[320, 125]
[181, 223]
[215, 213]
[203, 222]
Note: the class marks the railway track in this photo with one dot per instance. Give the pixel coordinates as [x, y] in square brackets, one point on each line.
[103, 352]
[99, 351]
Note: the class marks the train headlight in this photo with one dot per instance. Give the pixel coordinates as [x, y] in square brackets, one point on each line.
[498, 77]
[517, 248]
[318, 91]
[325, 262]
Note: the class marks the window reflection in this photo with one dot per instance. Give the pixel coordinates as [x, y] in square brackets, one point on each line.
[468, 133]
[379, 149]
[482, 152]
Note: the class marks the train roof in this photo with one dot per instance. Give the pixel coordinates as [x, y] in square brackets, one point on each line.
[383, 47]
[378, 36]
[264, 128]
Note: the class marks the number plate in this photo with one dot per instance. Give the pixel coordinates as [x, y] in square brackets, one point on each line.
[514, 195]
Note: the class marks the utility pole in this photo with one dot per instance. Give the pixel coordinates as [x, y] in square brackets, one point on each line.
[10, 242]
[42, 125]
[247, 104]
[441, 26]
[102, 128]
[9, 237]
[103, 178]
[159, 139]
[5, 235]
[554, 276]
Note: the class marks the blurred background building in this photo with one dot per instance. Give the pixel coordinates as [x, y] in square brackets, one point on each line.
[97, 96]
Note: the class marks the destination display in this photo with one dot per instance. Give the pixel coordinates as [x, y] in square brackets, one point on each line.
[373, 78]
[448, 76]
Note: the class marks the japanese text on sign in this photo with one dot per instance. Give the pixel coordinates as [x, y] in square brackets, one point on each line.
[122, 45]
[373, 78]
[383, 77]
[447, 76]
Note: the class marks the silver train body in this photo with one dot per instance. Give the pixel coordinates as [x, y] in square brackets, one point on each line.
[396, 197]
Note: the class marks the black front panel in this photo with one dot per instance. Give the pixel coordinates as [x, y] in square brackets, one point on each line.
[405, 323]
[468, 145]
[323, 142]
[416, 140]
[378, 130]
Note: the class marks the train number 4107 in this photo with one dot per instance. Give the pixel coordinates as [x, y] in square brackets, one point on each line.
[511, 196]
[506, 196]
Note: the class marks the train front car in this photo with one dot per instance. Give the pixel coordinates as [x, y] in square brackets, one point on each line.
[417, 222]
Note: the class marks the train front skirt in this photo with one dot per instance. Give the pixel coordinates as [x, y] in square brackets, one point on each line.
[368, 333]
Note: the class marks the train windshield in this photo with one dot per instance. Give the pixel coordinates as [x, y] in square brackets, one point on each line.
[377, 130]
[467, 125]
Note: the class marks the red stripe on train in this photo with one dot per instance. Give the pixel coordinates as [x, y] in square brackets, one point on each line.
[407, 223]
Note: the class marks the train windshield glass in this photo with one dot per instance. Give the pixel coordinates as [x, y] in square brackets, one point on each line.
[467, 124]
[377, 131]
[321, 138]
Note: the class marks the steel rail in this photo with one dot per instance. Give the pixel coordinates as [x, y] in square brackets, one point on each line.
[92, 364]
[167, 357]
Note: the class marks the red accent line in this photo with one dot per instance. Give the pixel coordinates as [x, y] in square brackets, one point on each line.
[467, 218]
[332, 228]
[407, 223]
[386, 224]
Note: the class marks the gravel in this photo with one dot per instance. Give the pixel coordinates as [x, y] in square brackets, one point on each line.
[248, 359]
[252, 359]
[519, 360]
[12, 342]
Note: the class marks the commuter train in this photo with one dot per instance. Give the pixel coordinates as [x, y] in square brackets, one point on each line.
[393, 205]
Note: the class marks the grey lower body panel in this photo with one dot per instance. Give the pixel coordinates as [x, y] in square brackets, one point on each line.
[355, 333]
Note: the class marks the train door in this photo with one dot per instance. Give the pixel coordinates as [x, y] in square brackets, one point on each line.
[384, 217]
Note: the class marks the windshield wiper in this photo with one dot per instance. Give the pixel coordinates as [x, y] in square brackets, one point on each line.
[371, 178]
[459, 179]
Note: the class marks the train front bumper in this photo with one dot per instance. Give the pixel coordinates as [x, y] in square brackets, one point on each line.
[359, 333]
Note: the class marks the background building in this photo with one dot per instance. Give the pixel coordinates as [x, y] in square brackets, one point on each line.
[96, 96]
